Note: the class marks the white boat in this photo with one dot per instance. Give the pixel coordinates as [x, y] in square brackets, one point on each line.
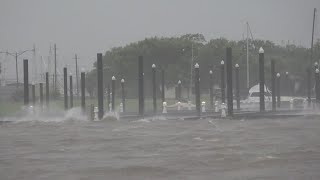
[252, 102]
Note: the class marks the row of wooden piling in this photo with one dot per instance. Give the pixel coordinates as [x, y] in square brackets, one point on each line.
[141, 86]
[275, 83]
[47, 98]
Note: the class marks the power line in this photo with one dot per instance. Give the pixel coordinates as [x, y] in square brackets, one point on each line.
[16, 55]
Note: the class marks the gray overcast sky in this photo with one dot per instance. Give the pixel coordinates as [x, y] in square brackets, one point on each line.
[86, 27]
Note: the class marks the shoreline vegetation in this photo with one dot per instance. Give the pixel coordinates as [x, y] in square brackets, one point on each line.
[174, 55]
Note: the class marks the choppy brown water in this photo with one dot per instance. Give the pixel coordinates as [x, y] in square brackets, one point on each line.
[161, 149]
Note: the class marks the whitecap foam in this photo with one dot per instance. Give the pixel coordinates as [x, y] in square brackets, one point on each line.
[121, 129]
[75, 114]
[212, 140]
[266, 157]
[37, 114]
[197, 138]
[143, 120]
[110, 116]
[162, 118]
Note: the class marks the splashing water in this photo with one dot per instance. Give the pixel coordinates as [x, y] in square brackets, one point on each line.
[37, 114]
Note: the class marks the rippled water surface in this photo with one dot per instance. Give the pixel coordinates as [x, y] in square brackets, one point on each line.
[160, 149]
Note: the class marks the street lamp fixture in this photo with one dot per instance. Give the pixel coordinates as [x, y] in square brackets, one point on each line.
[261, 51]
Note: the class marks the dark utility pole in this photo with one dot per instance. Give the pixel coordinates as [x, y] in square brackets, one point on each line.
[83, 92]
[229, 81]
[273, 88]
[100, 85]
[33, 92]
[222, 83]
[141, 85]
[261, 77]
[154, 88]
[47, 90]
[41, 95]
[65, 88]
[53, 88]
[71, 91]
[26, 81]
[197, 87]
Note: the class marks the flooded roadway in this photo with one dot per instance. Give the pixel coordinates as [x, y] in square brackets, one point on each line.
[160, 149]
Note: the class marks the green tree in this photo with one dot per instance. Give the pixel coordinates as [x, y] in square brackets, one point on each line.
[174, 54]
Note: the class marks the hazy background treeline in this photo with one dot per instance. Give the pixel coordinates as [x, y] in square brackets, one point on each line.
[174, 54]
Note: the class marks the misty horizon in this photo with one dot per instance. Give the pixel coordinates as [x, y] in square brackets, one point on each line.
[86, 28]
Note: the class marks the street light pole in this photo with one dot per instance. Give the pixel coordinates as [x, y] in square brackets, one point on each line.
[16, 55]
[191, 68]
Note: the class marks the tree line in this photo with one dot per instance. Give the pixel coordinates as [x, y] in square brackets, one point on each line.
[174, 56]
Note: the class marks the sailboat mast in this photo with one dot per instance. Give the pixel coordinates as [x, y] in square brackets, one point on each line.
[309, 70]
[311, 50]
[248, 75]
